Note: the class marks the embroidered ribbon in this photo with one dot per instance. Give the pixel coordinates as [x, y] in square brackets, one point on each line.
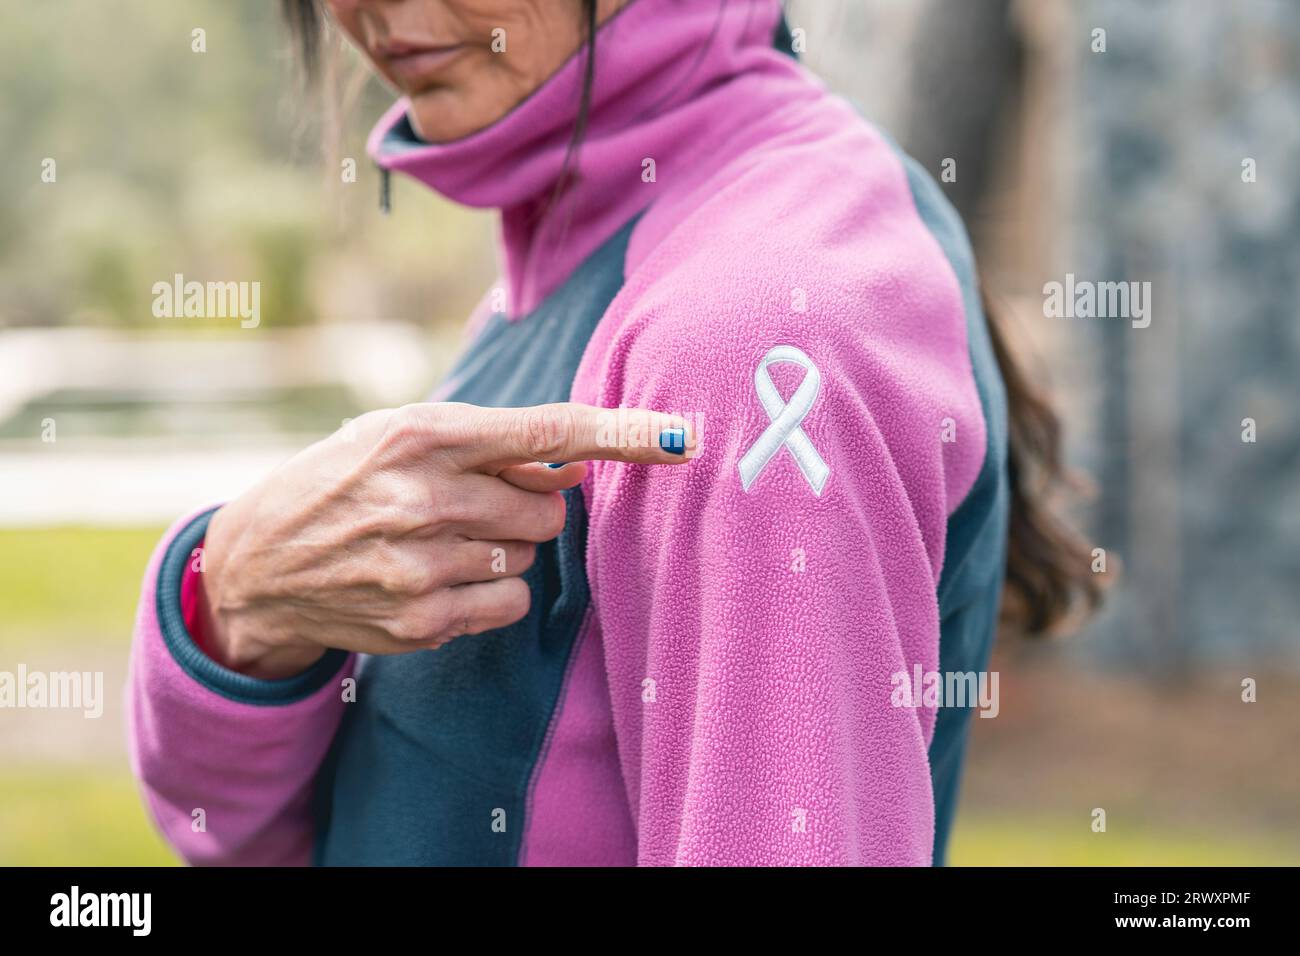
[785, 428]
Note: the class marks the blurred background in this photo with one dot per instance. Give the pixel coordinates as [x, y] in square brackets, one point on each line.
[1167, 155]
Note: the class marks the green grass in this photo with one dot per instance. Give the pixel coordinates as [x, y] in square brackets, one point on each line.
[982, 841]
[96, 818]
[80, 583]
[75, 817]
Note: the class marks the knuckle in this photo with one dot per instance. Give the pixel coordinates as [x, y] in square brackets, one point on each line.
[437, 620]
[406, 627]
[390, 582]
[406, 578]
[409, 503]
[422, 425]
[448, 619]
[404, 424]
[421, 578]
[455, 503]
[457, 626]
[396, 503]
[543, 430]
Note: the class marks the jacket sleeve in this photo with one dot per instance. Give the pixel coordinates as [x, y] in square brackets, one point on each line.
[762, 622]
[225, 761]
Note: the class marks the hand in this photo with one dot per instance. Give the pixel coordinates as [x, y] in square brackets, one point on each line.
[402, 531]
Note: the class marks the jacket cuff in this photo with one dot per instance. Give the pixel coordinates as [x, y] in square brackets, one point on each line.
[215, 677]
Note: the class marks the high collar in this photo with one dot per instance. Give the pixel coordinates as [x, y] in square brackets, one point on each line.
[664, 81]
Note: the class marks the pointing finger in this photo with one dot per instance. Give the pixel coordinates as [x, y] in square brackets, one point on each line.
[569, 431]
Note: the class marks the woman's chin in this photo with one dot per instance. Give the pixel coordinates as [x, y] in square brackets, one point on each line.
[444, 115]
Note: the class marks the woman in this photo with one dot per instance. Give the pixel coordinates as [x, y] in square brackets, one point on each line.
[642, 656]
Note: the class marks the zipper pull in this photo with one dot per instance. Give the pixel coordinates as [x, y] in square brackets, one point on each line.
[385, 192]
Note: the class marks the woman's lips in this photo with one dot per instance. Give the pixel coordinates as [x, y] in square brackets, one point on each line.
[411, 63]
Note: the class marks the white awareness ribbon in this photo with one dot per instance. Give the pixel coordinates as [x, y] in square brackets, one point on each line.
[786, 418]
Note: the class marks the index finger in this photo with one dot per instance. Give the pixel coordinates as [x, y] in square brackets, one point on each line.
[569, 431]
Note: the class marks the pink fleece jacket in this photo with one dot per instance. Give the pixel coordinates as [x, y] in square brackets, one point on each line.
[729, 699]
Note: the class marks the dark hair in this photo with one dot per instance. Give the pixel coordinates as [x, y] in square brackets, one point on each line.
[1050, 584]
[1049, 565]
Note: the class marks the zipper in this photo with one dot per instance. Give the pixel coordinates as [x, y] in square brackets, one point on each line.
[385, 191]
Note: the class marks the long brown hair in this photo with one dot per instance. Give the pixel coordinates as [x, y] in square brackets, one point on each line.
[1051, 586]
[1050, 583]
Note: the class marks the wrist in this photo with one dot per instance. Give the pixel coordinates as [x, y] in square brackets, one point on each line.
[210, 630]
[228, 628]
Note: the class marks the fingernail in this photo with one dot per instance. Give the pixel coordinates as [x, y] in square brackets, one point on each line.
[673, 441]
[556, 464]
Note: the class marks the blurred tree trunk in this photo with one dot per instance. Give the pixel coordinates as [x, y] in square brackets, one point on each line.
[966, 68]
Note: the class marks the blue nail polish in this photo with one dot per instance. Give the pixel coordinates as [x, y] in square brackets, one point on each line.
[673, 441]
[556, 464]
